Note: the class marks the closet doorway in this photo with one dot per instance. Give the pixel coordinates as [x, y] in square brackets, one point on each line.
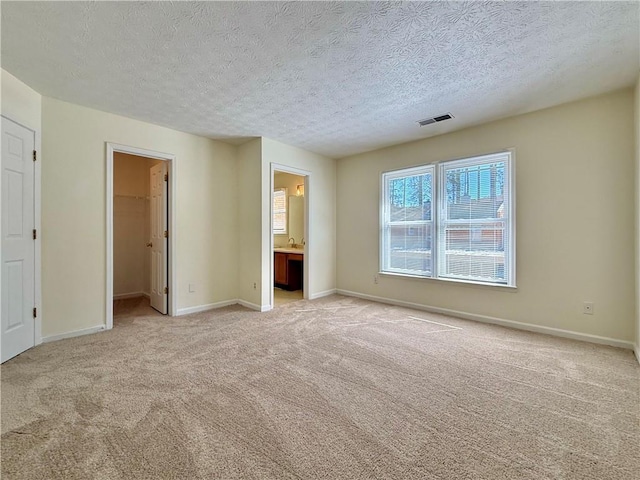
[138, 232]
[139, 223]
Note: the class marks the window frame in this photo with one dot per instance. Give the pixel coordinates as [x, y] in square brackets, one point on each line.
[387, 177]
[284, 211]
[438, 212]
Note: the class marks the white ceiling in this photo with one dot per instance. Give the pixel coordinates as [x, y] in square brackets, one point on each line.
[335, 78]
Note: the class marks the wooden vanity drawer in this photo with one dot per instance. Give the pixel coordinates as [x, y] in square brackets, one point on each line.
[296, 257]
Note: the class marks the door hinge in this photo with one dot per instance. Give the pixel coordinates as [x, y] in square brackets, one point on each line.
[166, 234]
[35, 234]
[166, 177]
[35, 312]
[35, 156]
[166, 290]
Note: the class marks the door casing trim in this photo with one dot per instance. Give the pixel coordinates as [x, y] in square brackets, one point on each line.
[171, 280]
[278, 167]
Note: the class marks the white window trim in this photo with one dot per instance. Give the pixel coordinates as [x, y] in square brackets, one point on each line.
[283, 191]
[387, 177]
[438, 185]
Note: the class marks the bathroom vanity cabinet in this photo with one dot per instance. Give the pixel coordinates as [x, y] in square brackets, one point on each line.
[288, 270]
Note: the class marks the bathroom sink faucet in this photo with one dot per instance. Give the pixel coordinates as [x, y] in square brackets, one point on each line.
[292, 241]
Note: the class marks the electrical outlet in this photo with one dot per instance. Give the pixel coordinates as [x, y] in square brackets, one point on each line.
[375, 279]
[587, 308]
[192, 287]
[255, 285]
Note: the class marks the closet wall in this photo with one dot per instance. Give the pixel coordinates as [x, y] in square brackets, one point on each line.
[131, 257]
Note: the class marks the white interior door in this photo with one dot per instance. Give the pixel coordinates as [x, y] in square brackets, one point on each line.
[18, 245]
[158, 182]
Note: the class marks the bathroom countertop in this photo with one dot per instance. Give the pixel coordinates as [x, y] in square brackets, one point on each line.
[289, 250]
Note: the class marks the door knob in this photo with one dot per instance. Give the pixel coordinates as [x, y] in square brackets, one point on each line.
[149, 244]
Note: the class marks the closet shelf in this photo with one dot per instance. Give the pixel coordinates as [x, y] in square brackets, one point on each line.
[137, 197]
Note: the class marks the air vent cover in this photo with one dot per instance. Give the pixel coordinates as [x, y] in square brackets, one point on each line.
[439, 118]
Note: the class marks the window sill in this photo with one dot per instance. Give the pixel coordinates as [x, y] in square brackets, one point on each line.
[464, 283]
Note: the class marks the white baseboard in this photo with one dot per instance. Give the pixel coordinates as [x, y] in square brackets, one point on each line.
[326, 293]
[557, 332]
[636, 350]
[254, 306]
[122, 296]
[204, 308]
[75, 333]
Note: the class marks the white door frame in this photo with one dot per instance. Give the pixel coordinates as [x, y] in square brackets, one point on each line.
[170, 159]
[37, 204]
[277, 167]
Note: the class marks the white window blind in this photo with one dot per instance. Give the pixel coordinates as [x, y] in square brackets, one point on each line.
[453, 220]
[474, 235]
[280, 211]
[408, 221]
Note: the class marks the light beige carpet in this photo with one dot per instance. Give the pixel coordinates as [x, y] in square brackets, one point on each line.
[336, 388]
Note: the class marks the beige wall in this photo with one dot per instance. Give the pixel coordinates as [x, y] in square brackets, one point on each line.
[254, 207]
[321, 198]
[249, 232]
[574, 208]
[288, 181]
[19, 102]
[74, 205]
[131, 174]
[129, 252]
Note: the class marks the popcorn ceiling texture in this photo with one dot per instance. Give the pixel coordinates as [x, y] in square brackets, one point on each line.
[335, 78]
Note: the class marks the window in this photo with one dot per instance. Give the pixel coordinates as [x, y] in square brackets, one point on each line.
[280, 211]
[453, 220]
[408, 221]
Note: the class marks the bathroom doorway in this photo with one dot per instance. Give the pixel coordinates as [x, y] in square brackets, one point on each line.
[288, 231]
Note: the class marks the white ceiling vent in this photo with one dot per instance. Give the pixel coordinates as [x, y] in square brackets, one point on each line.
[439, 118]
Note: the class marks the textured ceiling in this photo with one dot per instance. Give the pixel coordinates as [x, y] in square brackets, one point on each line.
[332, 77]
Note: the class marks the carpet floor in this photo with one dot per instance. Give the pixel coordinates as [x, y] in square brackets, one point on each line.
[335, 388]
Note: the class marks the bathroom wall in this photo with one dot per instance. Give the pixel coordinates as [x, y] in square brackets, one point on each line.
[290, 182]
